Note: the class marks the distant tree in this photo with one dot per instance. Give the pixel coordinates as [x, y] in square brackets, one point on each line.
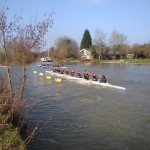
[146, 49]
[2, 57]
[135, 49]
[52, 49]
[8, 31]
[8, 46]
[94, 52]
[117, 41]
[66, 47]
[53, 53]
[100, 41]
[86, 40]
[141, 51]
[124, 49]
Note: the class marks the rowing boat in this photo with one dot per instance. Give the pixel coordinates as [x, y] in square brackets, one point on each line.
[84, 81]
[46, 65]
[1, 66]
[49, 65]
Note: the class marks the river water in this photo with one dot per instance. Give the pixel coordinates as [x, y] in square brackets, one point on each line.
[75, 116]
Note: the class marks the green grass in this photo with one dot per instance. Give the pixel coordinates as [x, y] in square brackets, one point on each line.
[9, 136]
[123, 61]
[138, 61]
[10, 139]
[127, 61]
[71, 60]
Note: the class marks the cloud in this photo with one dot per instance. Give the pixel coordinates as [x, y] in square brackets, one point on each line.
[95, 1]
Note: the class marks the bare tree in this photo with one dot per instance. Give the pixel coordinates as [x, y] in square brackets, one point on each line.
[31, 37]
[99, 40]
[117, 41]
[147, 50]
[66, 47]
[23, 40]
[136, 49]
[8, 31]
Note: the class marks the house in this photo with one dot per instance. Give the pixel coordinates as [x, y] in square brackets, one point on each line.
[85, 54]
[129, 56]
[113, 54]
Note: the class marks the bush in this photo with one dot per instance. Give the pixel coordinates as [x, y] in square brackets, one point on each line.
[13, 119]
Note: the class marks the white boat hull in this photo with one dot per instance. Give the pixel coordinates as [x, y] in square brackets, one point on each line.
[4, 66]
[86, 81]
[48, 65]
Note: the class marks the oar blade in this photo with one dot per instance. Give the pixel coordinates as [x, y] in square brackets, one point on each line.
[57, 79]
[48, 77]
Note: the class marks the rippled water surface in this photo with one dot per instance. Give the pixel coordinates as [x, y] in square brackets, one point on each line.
[76, 116]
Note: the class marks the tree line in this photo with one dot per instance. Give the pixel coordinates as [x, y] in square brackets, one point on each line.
[101, 47]
[17, 56]
[115, 45]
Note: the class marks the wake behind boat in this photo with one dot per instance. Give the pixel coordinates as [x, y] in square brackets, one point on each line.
[84, 81]
[46, 65]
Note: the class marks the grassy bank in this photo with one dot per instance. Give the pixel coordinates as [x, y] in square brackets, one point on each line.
[10, 138]
[9, 129]
[127, 61]
[14, 120]
[70, 60]
[123, 61]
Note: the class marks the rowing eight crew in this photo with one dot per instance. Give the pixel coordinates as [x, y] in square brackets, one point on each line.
[79, 75]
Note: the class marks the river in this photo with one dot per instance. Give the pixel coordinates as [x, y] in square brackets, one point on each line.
[75, 116]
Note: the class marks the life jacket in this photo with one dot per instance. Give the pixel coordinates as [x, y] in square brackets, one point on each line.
[62, 71]
[86, 73]
[67, 71]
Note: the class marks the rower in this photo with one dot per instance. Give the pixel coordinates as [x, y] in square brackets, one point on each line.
[78, 74]
[103, 79]
[54, 70]
[86, 75]
[67, 71]
[94, 77]
[62, 71]
[58, 70]
[72, 73]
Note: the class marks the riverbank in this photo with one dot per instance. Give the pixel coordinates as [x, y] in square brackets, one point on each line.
[10, 138]
[120, 61]
[127, 61]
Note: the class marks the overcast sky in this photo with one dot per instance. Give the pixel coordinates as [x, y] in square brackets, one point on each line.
[72, 17]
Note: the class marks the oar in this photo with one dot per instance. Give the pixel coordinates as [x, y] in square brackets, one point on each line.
[40, 74]
[86, 76]
[48, 77]
[34, 71]
[57, 79]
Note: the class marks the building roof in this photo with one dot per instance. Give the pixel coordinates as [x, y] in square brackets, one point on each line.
[85, 50]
